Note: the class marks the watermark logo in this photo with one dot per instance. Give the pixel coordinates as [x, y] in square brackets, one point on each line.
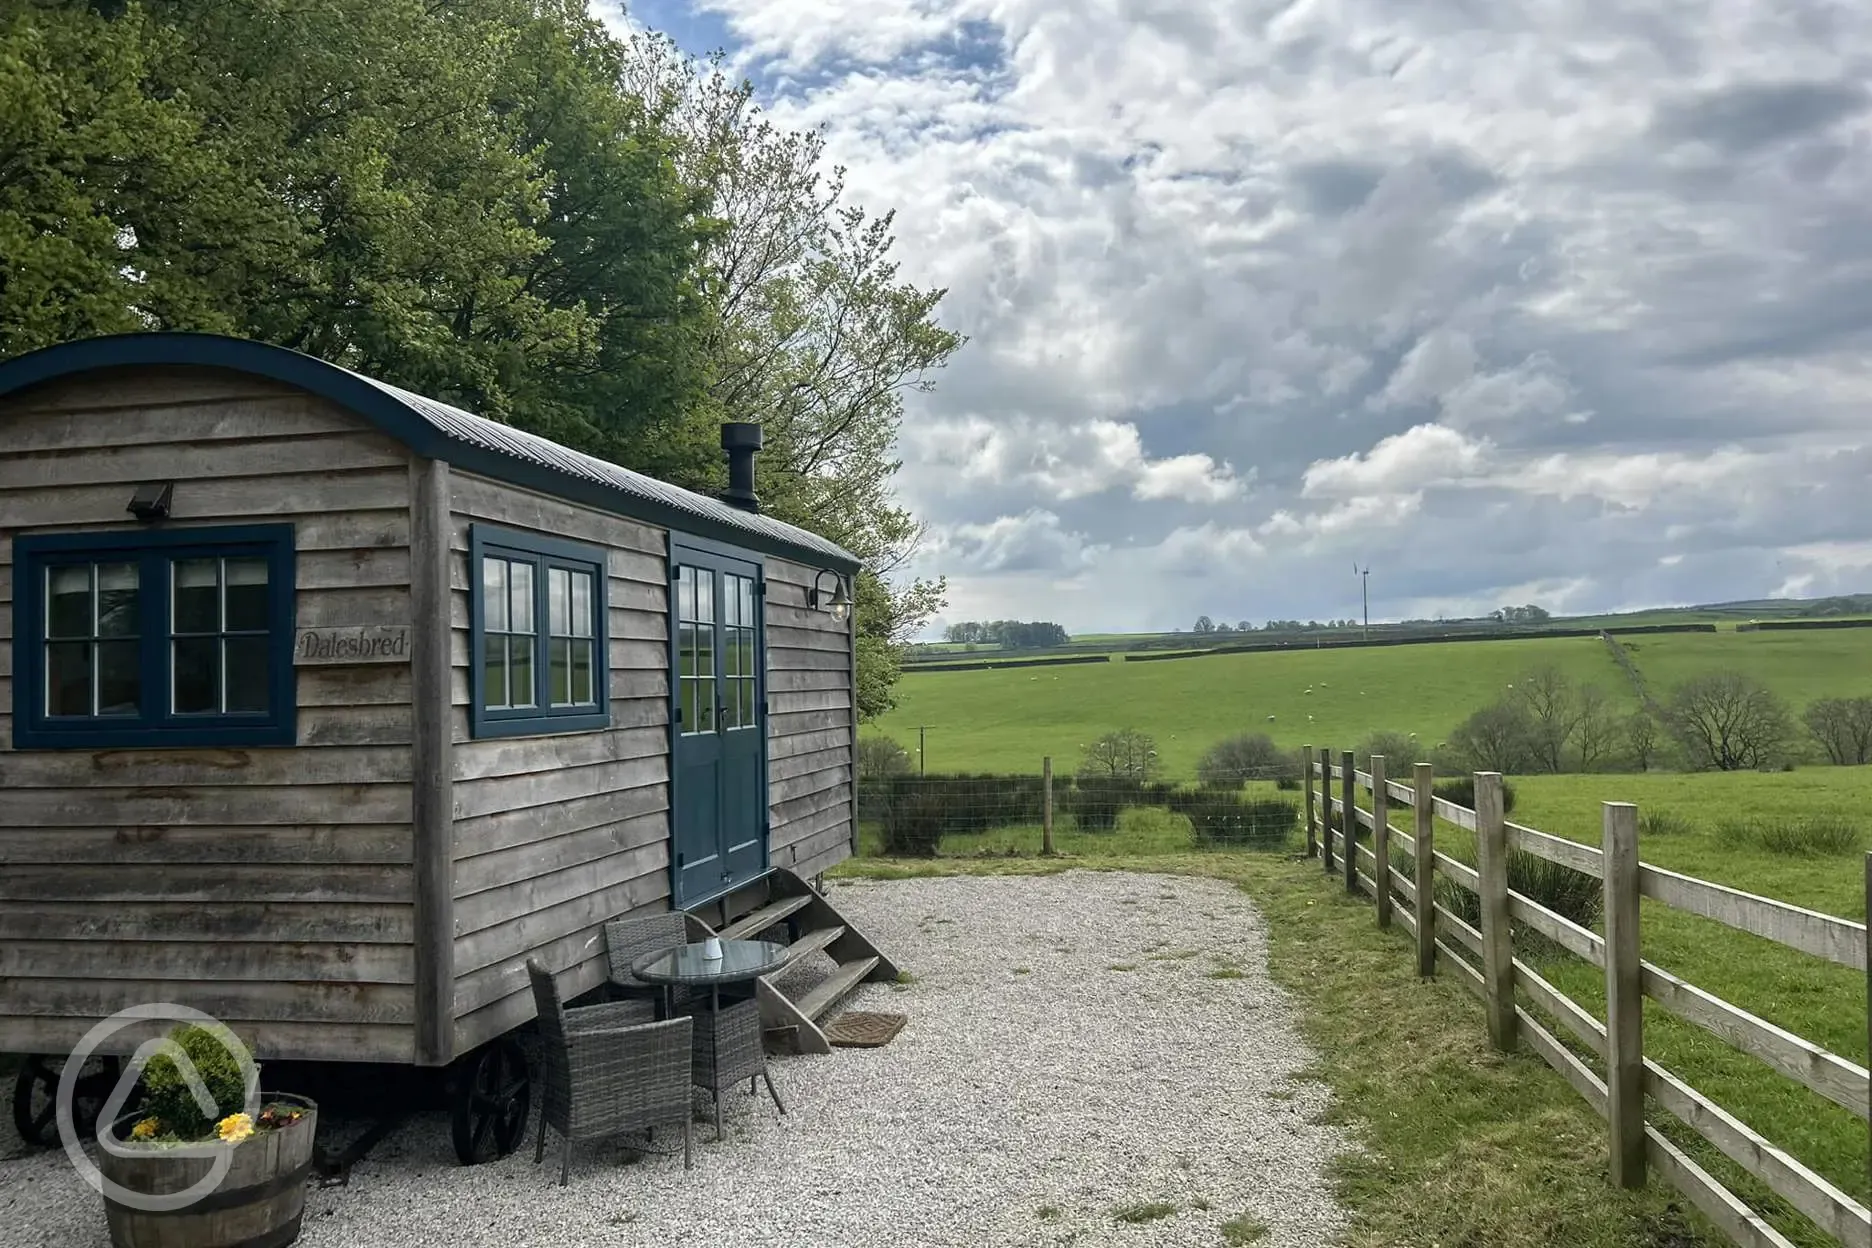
[220, 1155]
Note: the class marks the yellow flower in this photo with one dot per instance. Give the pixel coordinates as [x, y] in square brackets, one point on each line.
[145, 1130]
[235, 1127]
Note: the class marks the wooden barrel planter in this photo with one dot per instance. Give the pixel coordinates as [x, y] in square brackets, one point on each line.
[258, 1204]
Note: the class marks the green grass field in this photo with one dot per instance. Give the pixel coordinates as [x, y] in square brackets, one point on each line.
[1819, 1001]
[1006, 721]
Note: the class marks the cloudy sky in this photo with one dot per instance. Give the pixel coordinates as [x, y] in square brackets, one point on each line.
[1544, 301]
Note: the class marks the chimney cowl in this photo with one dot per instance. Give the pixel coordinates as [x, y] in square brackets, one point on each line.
[741, 440]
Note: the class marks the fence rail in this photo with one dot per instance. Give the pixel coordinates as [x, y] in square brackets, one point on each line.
[1482, 959]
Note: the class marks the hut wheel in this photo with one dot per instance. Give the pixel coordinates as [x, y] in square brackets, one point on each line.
[491, 1101]
[35, 1097]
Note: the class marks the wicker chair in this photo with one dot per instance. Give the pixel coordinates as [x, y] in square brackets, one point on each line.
[728, 1049]
[608, 1071]
[627, 940]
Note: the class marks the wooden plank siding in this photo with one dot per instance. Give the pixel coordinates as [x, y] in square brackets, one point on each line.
[556, 834]
[809, 725]
[270, 887]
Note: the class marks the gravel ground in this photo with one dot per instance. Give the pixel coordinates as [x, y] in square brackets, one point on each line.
[1079, 1044]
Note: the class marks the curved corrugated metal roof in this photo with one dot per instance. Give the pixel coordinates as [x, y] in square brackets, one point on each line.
[441, 431]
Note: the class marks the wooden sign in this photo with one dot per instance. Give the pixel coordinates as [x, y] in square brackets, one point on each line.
[361, 643]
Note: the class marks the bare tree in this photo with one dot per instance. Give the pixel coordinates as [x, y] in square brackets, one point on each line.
[1553, 713]
[1730, 721]
[1594, 728]
[1127, 753]
[1843, 727]
[1641, 736]
[1499, 737]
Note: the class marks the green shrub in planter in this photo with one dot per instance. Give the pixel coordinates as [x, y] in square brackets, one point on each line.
[166, 1095]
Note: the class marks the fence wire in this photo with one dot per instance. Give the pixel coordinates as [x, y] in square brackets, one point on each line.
[913, 815]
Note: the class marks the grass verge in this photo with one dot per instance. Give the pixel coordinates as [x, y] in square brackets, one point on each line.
[1465, 1148]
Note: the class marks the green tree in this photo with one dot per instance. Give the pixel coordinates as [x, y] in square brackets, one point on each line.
[813, 335]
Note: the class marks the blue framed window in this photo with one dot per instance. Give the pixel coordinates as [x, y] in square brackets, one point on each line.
[537, 633]
[179, 637]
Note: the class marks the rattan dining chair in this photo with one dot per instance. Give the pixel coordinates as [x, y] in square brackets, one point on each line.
[627, 940]
[609, 1070]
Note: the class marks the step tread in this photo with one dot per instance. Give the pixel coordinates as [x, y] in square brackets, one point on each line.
[764, 918]
[813, 942]
[836, 985]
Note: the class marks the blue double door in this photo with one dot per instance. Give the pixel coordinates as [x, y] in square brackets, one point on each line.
[719, 723]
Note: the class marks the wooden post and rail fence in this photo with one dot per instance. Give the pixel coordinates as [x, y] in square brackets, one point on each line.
[1619, 1086]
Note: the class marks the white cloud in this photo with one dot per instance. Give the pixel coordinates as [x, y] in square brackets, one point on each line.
[1507, 297]
[1420, 457]
[1062, 462]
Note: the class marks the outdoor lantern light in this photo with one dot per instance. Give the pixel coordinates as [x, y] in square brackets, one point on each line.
[839, 603]
[151, 500]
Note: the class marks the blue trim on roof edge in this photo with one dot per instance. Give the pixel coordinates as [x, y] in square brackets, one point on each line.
[383, 406]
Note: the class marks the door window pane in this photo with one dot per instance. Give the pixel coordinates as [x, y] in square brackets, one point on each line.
[196, 606]
[705, 596]
[246, 673]
[749, 710]
[747, 600]
[246, 595]
[68, 678]
[705, 705]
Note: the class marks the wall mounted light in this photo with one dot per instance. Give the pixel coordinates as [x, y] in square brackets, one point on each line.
[151, 500]
[838, 602]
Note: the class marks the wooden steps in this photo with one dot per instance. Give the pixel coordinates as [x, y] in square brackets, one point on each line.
[815, 1004]
[817, 927]
[764, 918]
[813, 942]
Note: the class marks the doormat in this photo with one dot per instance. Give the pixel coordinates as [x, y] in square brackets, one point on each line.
[857, 1029]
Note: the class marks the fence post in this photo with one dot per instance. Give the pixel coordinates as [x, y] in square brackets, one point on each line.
[1306, 769]
[1348, 794]
[1425, 858]
[1492, 875]
[1624, 997]
[1325, 760]
[1381, 840]
[1046, 806]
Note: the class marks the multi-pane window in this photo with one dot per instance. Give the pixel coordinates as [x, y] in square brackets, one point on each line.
[539, 634]
[717, 650]
[739, 709]
[218, 636]
[178, 636]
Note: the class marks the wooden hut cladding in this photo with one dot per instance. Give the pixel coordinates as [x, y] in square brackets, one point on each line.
[371, 699]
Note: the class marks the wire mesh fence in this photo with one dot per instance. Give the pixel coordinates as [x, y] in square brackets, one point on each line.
[928, 815]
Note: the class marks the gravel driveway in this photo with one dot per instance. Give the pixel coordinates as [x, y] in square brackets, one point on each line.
[1091, 1057]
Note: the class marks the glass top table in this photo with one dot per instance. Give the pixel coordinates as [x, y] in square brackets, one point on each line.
[741, 961]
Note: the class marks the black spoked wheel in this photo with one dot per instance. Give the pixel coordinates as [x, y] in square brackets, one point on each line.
[492, 1100]
[35, 1097]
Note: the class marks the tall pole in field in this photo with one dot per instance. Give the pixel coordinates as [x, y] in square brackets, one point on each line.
[1364, 575]
[921, 768]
